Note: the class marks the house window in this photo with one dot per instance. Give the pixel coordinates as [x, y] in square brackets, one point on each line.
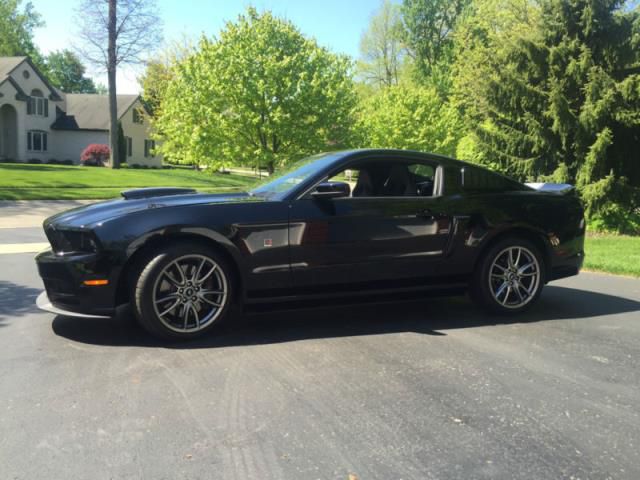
[37, 104]
[137, 116]
[129, 146]
[37, 141]
[149, 148]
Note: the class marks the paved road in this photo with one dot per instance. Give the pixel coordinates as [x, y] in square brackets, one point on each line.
[420, 390]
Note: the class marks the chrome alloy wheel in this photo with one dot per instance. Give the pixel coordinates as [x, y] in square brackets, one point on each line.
[514, 277]
[190, 293]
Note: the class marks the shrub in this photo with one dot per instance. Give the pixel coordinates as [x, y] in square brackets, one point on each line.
[7, 160]
[34, 161]
[67, 162]
[95, 155]
[615, 218]
[612, 205]
[53, 161]
[134, 165]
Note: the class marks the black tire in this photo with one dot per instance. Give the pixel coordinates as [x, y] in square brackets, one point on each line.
[487, 289]
[152, 281]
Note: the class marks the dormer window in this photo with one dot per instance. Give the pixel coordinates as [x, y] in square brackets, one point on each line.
[137, 116]
[37, 104]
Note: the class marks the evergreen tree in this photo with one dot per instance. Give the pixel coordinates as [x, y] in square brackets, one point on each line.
[564, 103]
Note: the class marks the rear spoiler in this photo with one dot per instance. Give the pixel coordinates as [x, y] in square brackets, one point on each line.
[137, 193]
[559, 188]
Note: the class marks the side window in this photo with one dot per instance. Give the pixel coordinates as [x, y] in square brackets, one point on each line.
[384, 178]
[479, 180]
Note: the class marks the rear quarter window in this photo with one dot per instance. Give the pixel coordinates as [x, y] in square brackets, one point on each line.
[479, 180]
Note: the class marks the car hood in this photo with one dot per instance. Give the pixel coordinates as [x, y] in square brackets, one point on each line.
[96, 213]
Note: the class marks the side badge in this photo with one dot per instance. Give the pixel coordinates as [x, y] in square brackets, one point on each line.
[268, 242]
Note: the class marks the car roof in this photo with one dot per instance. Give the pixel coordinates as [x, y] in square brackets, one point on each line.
[354, 153]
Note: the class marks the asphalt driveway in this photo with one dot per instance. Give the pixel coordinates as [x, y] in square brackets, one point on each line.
[417, 390]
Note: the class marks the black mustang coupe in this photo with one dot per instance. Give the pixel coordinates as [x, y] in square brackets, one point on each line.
[335, 224]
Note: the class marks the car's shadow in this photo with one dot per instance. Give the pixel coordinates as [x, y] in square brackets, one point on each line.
[16, 301]
[432, 316]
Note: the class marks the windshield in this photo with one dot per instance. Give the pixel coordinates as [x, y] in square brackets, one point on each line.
[282, 182]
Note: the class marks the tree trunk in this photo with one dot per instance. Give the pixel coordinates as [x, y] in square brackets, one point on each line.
[111, 76]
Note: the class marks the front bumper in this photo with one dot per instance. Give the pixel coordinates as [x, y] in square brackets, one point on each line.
[43, 303]
[63, 278]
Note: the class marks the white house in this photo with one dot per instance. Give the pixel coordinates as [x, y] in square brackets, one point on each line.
[38, 121]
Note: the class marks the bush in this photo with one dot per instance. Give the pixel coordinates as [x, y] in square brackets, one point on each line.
[67, 162]
[612, 205]
[134, 165]
[34, 161]
[7, 160]
[53, 161]
[95, 155]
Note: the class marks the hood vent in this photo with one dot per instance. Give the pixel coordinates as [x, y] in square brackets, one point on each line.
[155, 192]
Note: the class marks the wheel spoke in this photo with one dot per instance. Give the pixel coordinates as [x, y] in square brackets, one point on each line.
[517, 290]
[207, 275]
[506, 297]
[501, 289]
[526, 267]
[195, 314]
[173, 305]
[500, 267]
[515, 263]
[215, 304]
[211, 292]
[168, 297]
[194, 279]
[177, 283]
[185, 316]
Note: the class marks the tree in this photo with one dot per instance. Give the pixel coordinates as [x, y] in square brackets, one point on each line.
[564, 103]
[116, 33]
[122, 144]
[16, 30]
[261, 94]
[429, 26]
[159, 72]
[66, 72]
[409, 117]
[381, 48]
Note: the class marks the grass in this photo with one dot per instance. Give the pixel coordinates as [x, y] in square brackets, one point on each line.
[62, 182]
[613, 254]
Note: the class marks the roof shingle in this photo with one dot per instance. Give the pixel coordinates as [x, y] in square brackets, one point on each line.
[87, 111]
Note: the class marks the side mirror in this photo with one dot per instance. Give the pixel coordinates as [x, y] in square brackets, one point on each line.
[331, 190]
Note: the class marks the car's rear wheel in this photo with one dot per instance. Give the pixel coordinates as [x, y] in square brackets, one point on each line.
[509, 277]
[183, 292]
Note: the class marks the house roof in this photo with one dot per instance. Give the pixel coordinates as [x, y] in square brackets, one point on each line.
[8, 65]
[88, 111]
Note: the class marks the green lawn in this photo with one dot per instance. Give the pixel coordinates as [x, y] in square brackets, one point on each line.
[613, 254]
[61, 182]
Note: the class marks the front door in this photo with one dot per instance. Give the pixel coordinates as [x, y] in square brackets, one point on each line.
[8, 132]
[392, 226]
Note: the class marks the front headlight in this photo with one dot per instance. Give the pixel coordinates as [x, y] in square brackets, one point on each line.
[72, 241]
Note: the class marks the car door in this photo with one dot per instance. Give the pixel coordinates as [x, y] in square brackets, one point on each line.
[368, 238]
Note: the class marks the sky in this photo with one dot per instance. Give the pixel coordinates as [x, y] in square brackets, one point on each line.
[336, 24]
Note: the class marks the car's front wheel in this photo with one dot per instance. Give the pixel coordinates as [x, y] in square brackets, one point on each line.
[183, 292]
[509, 277]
